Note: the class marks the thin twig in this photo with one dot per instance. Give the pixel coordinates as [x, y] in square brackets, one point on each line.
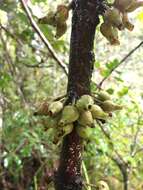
[122, 60]
[43, 38]
[38, 65]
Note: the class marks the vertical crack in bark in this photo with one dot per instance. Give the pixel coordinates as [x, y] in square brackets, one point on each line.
[84, 21]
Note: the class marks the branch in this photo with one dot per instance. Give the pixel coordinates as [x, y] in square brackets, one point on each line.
[122, 60]
[43, 38]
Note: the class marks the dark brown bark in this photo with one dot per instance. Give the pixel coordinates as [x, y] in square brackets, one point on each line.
[84, 22]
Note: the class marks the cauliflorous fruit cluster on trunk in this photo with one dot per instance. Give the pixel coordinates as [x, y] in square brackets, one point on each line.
[57, 19]
[116, 18]
[84, 113]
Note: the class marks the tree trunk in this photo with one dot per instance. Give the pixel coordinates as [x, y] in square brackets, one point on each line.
[84, 22]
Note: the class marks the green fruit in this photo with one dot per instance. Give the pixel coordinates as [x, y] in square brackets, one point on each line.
[69, 115]
[103, 95]
[98, 113]
[102, 185]
[109, 106]
[84, 103]
[85, 118]
[84, 132]
[55, 108]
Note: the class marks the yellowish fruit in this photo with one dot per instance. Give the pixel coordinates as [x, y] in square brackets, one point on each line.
[86, 118]
[102, 185]
[69, 115]
[110, 33]
[84, 103]
[60, 30]
[103, 95]
[114, 183]
[55, 108]
[109, 106]
[98, 113]
[84, 132]
[112, 16]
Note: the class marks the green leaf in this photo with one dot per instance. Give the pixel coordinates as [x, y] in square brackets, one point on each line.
[113, 64]
[123, 91]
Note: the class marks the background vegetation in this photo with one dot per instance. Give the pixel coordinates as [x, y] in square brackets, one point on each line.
[29, 74]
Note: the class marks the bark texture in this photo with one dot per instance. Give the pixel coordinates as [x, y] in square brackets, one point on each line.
[84, 22]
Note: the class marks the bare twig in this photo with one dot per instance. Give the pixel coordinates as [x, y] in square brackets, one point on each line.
[122, 60]
[43, 38]
[38, 65]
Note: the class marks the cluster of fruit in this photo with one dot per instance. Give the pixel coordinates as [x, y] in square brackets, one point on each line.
[83, 114]
[116, 18]
[57, 19]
